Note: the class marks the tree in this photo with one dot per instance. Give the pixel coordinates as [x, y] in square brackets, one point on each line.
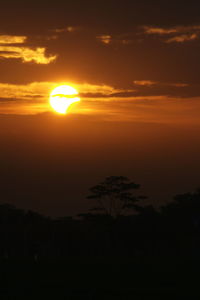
[114, 196]
[185, 209]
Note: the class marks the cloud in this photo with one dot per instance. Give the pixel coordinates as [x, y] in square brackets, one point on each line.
[34, 97]
[171, 30]
[110, 105]
[13, 47]
[169, 89]
[42, 90]
[144, 82]
[183, 38]
[159, 30]
[24, 92]
[69, 29]
[179, 84]
[27, 54]
[105, 39]
[177, 34]
[39, 91]
[152, 101]
[149, 83]
[12, 39]
[92, 88]
[120, 39]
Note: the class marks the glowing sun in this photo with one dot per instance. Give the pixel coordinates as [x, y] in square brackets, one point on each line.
[62, 97]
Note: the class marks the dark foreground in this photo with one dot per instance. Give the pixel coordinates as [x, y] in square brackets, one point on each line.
[100, 278]
[148, 255]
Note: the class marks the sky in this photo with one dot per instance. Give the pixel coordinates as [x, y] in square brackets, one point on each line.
[136, 66]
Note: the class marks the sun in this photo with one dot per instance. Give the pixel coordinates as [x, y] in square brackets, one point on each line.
[62, 97]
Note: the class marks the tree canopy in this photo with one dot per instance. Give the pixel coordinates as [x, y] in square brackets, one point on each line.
[114, 196]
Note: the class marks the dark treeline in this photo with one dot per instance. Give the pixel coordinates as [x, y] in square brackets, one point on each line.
[109, 229]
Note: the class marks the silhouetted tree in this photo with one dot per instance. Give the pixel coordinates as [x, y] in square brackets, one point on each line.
[114, 196]
[185, 209]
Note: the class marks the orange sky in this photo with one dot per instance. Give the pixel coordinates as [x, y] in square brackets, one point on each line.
[136, 67]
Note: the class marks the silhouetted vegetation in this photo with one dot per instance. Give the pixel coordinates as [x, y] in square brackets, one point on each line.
[114, 196]
[120, 248]
[110, 229]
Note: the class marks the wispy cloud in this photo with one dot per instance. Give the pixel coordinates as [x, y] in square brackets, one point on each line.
[180, 84]
[145, 82]
[42, 90]
[33, 99]
[149, 83]
[177, 34]
[159, 30]
[69, 29]
[168, 89]
[24, 92]
[27, 54]
[14, 47]
[93, 88]
[105, 39]
[183, 38]
[12, 39]
[121, 39]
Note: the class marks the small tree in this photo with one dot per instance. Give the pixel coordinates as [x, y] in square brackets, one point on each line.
[114, 196]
